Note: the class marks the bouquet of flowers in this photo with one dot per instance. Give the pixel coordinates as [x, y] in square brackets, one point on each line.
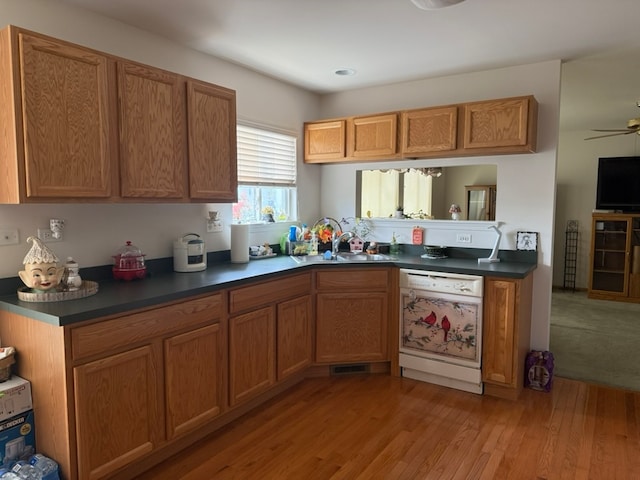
[325, 228]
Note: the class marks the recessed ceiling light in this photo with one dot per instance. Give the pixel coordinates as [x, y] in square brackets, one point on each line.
[434, 4]
[345, 72]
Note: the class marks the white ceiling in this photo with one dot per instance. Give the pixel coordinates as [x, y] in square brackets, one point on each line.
[386, 41]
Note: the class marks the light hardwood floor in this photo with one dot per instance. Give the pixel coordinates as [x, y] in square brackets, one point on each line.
[381, 427]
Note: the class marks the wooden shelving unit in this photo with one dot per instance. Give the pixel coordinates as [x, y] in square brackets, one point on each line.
[615, 257]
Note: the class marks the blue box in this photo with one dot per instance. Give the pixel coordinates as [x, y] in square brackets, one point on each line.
[17, 437]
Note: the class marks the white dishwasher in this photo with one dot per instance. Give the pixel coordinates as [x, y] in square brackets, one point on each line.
[441, 328]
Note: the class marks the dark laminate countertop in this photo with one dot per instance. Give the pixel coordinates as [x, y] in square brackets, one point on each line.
[116, 297]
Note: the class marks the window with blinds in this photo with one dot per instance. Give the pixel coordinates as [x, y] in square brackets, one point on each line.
[266, 176]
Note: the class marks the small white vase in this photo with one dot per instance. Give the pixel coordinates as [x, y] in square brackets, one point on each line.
[455, 216]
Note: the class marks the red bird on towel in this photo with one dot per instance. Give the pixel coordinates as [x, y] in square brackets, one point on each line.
[431, 318]
[446, 326]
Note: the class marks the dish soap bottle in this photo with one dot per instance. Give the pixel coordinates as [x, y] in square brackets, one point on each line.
[394, 248]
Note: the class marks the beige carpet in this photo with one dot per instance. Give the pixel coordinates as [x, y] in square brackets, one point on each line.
[595, 340]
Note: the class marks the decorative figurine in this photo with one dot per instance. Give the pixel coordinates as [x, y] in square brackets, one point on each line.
[455, 210]
[73, 280]
[41, 271]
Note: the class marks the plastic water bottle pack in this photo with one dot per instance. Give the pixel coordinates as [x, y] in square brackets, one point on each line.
[39, 467]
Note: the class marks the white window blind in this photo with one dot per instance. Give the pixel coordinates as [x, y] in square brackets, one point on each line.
[265, 157]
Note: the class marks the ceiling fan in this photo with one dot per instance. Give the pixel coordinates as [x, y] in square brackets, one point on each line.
[633, 126]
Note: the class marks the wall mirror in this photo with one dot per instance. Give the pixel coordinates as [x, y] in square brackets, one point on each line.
[428, 192]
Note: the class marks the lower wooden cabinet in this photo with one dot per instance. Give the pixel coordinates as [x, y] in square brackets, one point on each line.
[294, 332]
[506, 334]
[118, 411]
[352, 315]
[195, 365]
[270, 334]
[252, 367]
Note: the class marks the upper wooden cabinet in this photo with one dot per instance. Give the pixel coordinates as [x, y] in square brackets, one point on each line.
[80, 124]
[55, 122]
[429, 131]
[372, 137]
[211, 125]
[501, 126]
[325, 141]
[152, 132]
[492, 127]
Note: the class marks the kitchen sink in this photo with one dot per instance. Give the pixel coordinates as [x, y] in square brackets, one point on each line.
[362, 257]
[342, 257]
[309, 258]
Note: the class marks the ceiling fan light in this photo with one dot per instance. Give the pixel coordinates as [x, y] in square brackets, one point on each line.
[434, 4]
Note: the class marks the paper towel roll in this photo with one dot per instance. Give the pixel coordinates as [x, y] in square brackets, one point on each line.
[239, 243]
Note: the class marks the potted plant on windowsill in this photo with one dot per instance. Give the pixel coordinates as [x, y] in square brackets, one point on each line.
[267, 214]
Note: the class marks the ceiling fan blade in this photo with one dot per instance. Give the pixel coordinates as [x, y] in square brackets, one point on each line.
[612, 134]
[611, 130]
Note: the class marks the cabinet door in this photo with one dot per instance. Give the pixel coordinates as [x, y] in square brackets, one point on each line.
[429, 130]
[610, 265]
[118, 419]
[211, 113]
[251, 354]
[499, 342]
[152, 132]
[294, 336]
[324, 141]
[351, 327]
[66, 120]
[373, 136]
[500, 124]
[194, 378]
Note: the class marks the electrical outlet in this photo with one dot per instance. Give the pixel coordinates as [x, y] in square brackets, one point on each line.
[463, 238]
[9, 236]
[46, 235]
[214, 226]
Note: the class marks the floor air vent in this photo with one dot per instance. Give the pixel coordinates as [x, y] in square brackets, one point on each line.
[349, 369]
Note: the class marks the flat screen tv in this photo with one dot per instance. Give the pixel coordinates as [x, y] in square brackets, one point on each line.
[618, 184]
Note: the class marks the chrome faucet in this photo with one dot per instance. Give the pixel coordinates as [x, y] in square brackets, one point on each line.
[335, 241]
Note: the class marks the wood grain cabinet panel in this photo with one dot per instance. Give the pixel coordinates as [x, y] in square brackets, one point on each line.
[427, 131]
[373, 137]
[352, 315]
[325, 141]
[152, 132]
[488, 127]
[294, 336]
[211, 116]
[81, 124]
[351, 327]
[118, 411]
[251, 354]
[500, 126]
[506, 334]
[195, 378]
[56, 123]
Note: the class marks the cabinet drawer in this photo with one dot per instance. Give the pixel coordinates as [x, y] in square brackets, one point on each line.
[105, 336]
[354, 280]
[267, 293]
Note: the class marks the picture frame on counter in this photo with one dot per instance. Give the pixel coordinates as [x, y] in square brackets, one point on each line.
[527, 241]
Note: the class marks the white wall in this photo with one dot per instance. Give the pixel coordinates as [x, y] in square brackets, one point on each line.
[526, 183]
[95, 232]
